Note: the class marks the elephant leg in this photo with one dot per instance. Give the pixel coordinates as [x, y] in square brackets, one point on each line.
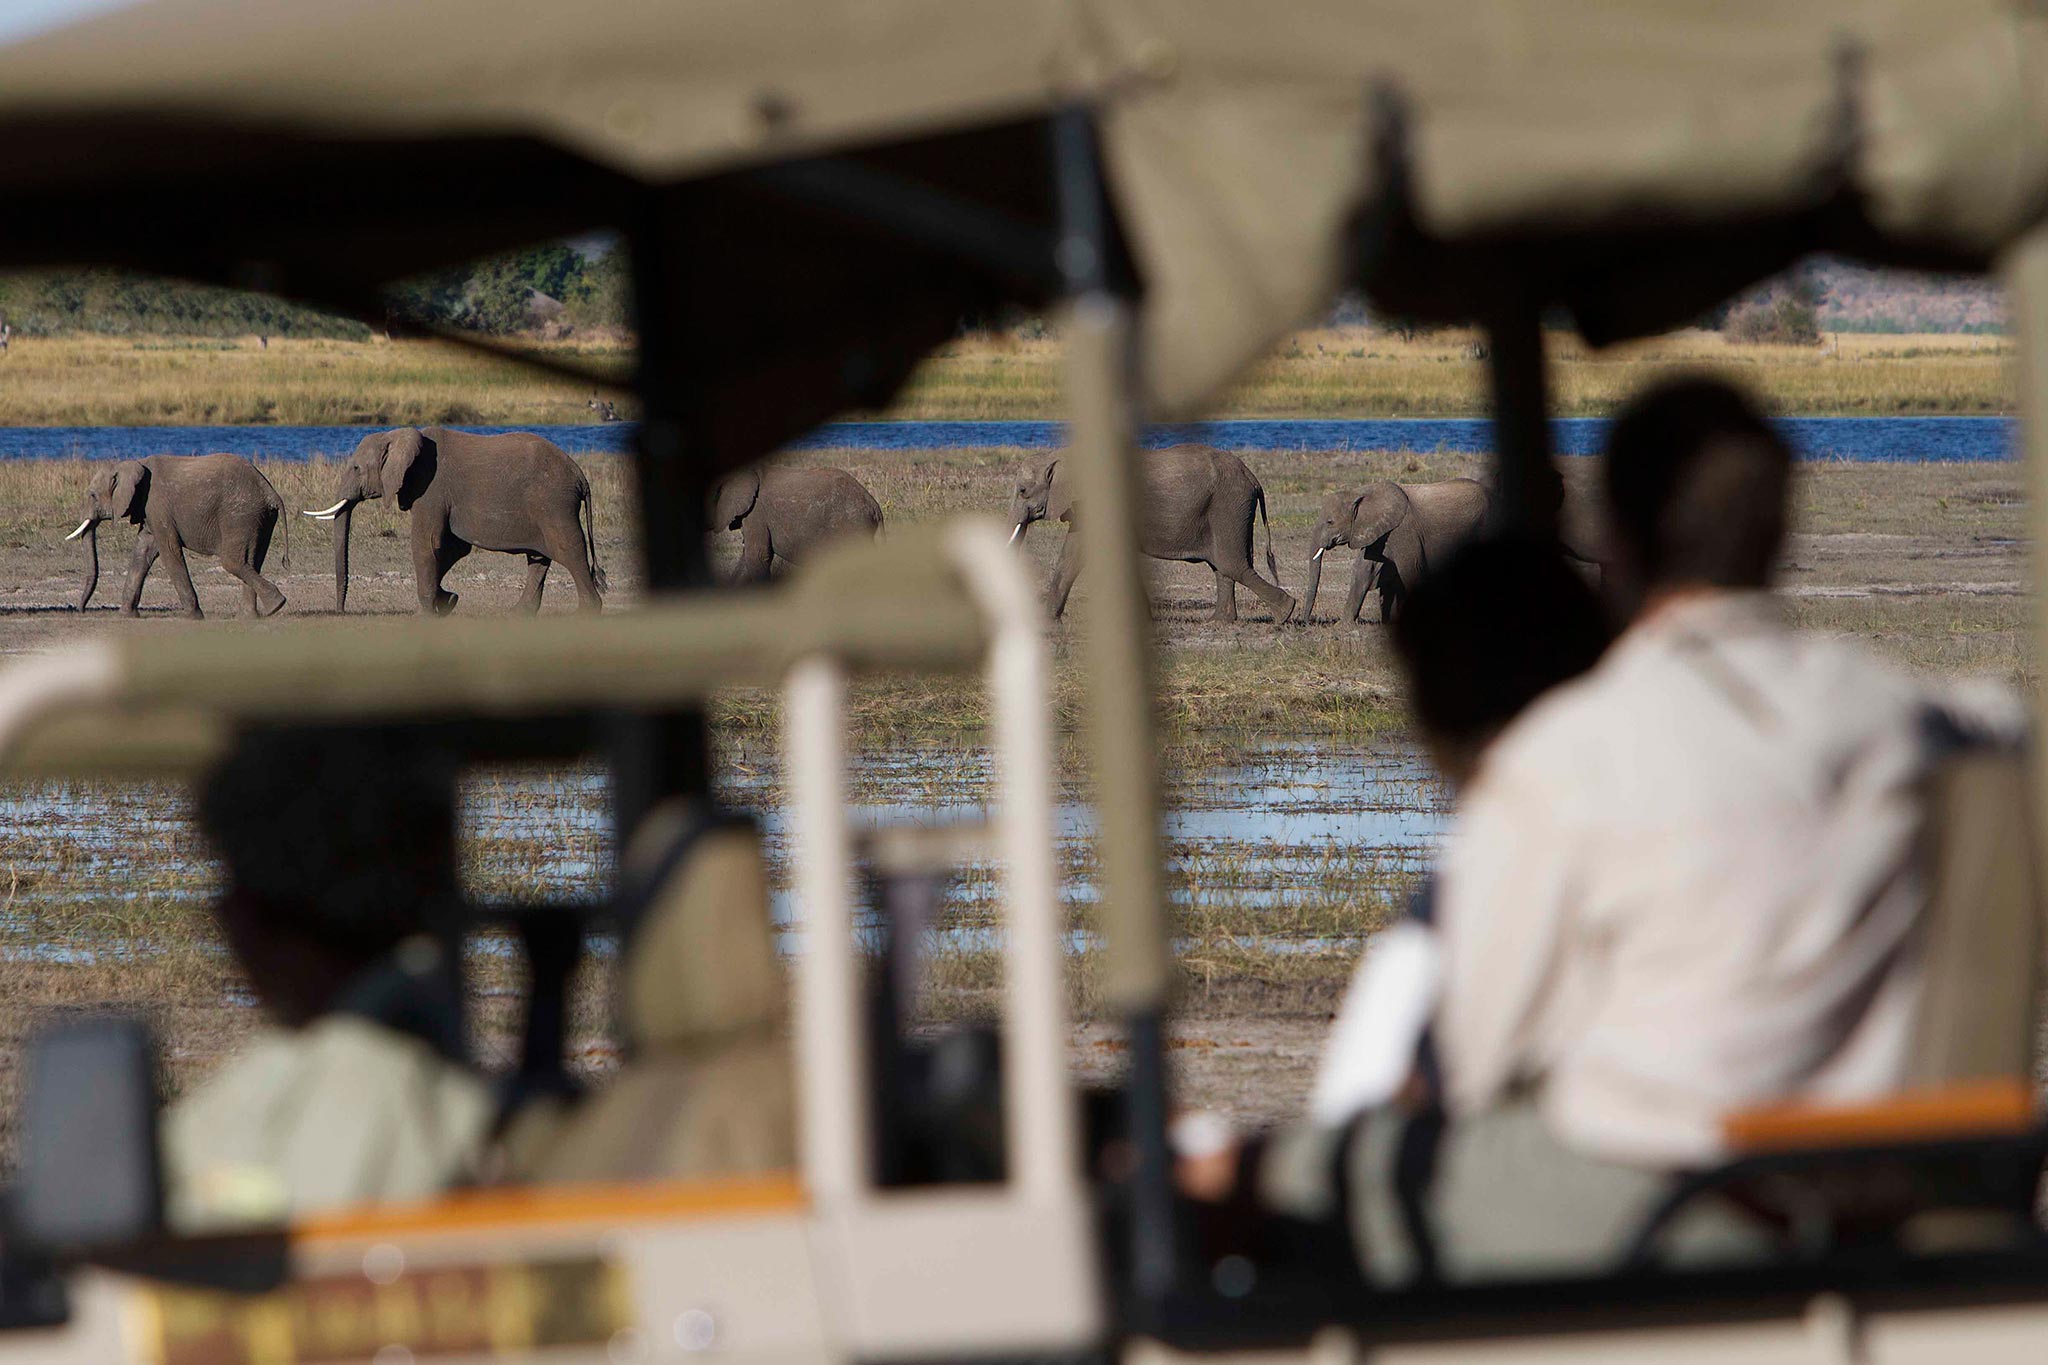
[139, 565]
[1063, 575]
[245, 563]
[1393, 594]
[1364, 574]
[536, 582]
[1226, 597]
[173, 552]
[565, 544]
[1279, 603]
[1231, 559]
[757, 557]
[434, 552]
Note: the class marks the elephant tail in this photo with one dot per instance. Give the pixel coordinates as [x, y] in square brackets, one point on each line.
[589, 520]
[283, 519]
[1272, 564]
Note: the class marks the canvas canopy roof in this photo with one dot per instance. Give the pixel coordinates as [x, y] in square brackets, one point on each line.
[1631, 161]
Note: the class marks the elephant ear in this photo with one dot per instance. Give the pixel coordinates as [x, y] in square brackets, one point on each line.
[736, 498]
[130, 492]
[1377, 513]
[408, 466]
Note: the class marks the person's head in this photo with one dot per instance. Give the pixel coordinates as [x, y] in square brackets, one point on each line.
[1489, 631]
[337, 848]
[1697, 482]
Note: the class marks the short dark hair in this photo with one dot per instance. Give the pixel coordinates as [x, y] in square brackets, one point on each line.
[1501, 622]
[345, 839]
[1697, 482]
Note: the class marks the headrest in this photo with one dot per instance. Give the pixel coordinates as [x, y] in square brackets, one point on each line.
[700, 960]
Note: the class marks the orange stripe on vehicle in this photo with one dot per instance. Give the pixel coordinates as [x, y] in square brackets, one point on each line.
[547, 1204]
[1967, 1109]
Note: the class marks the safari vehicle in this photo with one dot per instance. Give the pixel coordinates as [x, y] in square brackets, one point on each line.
[814, 194]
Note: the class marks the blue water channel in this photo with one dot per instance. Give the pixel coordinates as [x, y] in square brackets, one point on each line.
[1905, 440]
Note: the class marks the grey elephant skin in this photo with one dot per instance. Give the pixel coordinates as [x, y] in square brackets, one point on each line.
[218, 505]
[515, 493]
[1396, 529]
[786, 514]
[1197, 507]
[1399, 529]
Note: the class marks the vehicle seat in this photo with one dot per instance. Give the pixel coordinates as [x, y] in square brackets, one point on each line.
[706, 1087]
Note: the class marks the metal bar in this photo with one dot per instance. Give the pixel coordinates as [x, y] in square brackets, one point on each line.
[1102, 438]
[2025, 269]
[1042, 1136]
[1530, 491]
[834, 1125]
[662, 754]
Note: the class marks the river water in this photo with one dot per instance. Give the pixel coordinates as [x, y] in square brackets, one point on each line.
[1299, 847]
[1857, 439]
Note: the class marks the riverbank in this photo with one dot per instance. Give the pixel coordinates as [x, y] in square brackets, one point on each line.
[1321, 373]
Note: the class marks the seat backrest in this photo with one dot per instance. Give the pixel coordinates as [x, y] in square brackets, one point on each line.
[1984, 935]
[700, 963]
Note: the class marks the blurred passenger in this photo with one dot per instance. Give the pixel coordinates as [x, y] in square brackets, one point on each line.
[706, 1085]
[1683, 885]
[341, 892]
[1474, 657]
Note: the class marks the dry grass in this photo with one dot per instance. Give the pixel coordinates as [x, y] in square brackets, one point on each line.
[1359, 372]
[157, 381]
[1322, 372]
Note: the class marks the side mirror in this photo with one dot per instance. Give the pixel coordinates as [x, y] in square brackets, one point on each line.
[90, 1175]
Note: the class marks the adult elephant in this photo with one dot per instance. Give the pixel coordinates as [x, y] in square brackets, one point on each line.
[515, 493]
[1397, 529]
[1198, 508]
[787, 513]
[218, 505]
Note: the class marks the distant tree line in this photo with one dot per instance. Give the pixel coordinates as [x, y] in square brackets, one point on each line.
[554, 289]
[119, 303]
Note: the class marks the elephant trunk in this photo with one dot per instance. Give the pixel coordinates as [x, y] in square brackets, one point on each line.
[342, 519]
[1308, 593]
[92, 563]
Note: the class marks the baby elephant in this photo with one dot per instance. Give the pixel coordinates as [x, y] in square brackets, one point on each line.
[217, 505]
[1198, 505]
[1397, 530]
[787, 513]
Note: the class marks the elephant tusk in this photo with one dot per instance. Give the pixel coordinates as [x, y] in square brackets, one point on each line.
[329, 514]
[83, 527]
[1317, 555]
[1018, 532]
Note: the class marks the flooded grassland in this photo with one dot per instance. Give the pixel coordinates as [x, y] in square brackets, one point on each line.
[1299, 816]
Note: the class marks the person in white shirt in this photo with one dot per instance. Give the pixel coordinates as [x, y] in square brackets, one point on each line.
[1685, 884]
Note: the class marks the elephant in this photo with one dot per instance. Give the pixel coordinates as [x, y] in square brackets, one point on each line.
[515, 493]
[1400, 529]
[787, 513]
[218, 505]
[1397, 529]
[1198, 508]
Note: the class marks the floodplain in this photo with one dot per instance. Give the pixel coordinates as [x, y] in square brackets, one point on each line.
[1299, 813]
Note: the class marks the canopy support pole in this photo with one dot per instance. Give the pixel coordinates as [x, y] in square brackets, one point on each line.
[1530, 491]
[1102, 442]
[663, 755]
[2025, 269]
